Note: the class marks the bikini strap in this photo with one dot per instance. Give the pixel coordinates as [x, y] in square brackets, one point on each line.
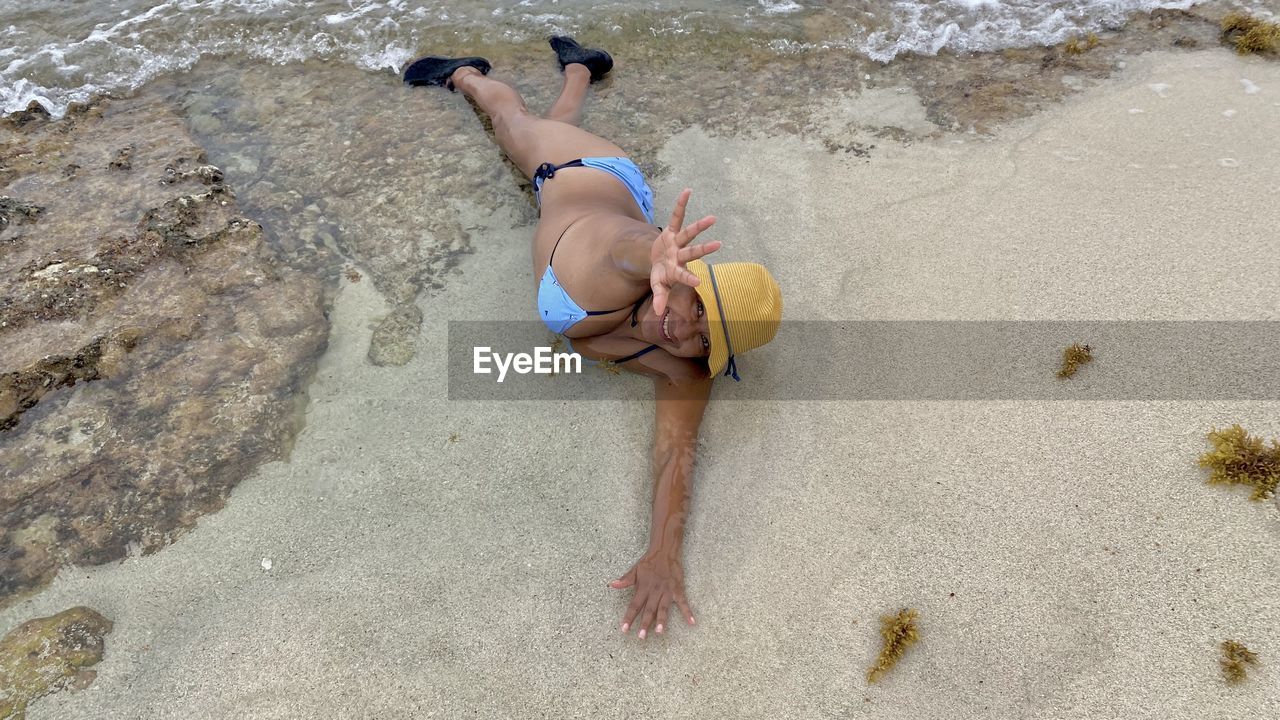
[547, 170]
[634, 355]
[552, 259]
[635, 309]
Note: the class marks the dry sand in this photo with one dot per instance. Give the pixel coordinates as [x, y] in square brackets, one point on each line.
[1093, 571]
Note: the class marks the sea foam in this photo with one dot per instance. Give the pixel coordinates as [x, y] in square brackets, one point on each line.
[926, 28]
[56, 53]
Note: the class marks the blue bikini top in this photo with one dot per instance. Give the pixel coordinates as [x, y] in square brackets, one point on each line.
[559, 311]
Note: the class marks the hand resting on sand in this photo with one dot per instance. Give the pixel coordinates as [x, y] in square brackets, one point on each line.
[658, 578]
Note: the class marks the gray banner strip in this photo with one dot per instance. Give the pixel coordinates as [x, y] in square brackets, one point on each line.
[927, 360]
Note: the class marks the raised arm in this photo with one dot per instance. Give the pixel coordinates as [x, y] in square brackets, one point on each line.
[662, 260]
[658, 576]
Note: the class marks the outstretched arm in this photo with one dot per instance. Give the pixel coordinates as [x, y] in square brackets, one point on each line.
[658, 576]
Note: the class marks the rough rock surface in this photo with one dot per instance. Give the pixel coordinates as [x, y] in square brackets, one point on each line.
[49, 654]
[152, 345]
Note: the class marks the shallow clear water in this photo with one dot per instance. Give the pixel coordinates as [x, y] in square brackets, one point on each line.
[57, 52]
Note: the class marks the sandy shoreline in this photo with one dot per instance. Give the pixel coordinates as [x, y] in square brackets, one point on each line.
[1093, 572]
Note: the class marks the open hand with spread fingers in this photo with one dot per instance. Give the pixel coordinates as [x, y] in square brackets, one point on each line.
[672, 251]
[658, 578]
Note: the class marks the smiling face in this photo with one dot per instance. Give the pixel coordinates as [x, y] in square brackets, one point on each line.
[682, 329]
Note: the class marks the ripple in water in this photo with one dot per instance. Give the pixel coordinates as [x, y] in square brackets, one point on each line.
[57, 53]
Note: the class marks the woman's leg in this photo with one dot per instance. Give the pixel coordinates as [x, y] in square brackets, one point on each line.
[568, 107]
[526, 138]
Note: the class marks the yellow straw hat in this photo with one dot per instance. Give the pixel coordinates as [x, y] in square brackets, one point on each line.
[744, 306]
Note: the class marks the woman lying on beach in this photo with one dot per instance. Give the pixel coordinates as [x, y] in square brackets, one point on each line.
[672, 316]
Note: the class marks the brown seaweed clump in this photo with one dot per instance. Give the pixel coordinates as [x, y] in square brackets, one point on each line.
[1235, 659]
[45, 655]
[1238, 458]
[1249, 34]
[898, 632]
[1079, 46]
[1073, 357]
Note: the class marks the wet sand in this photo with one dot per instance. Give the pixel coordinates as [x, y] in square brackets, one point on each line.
[1067, 559]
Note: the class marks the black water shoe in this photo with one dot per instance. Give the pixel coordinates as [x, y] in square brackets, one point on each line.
[436, 70]
[568, 51]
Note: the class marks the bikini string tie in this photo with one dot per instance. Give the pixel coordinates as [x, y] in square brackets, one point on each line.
[635, 309]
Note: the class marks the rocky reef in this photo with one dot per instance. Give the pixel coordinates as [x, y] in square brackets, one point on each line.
[153, 346]
[48, 654]
[351, 170]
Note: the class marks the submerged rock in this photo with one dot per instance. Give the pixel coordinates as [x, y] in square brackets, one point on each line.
[123, 159]
[152, 343]
[21, 389]
[17, 211]
[49, 654]
[34, 113]
[393, 338]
